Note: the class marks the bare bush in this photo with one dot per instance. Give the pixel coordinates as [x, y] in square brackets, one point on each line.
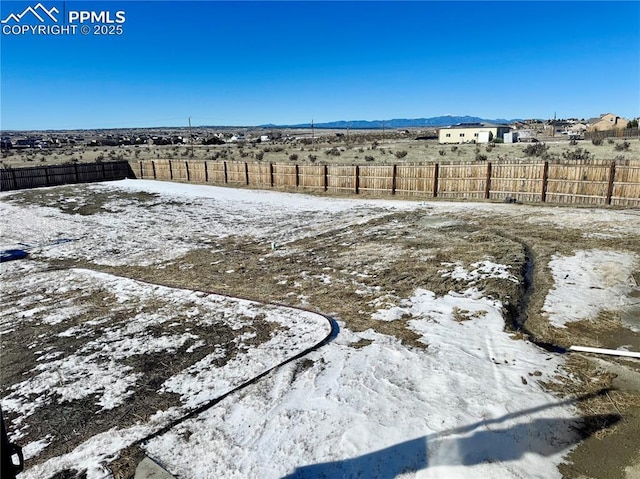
[535, 149]
[624, 146]
[577, 155]
[400, 154]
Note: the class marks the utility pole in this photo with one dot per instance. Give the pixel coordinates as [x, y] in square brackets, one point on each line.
[191, 136]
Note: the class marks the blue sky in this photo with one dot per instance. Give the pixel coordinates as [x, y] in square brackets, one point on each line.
[258, 62]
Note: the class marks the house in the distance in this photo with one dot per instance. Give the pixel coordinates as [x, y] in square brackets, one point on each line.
[607, 121]
[472, 133]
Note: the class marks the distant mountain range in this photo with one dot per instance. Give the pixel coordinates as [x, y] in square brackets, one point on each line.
[433, 122]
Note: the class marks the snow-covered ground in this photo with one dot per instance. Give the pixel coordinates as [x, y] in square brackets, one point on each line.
[468, 404]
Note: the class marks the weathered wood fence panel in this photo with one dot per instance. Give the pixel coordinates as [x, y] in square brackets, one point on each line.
[522, 182]
[53, 175]
[578, 184]
[162, 169]
[179, 170]
[626, 186]
[285, 175]
[342, 179]
[236, 173]
[145, 170]
[259, 174]
[457, 180]
[376, 180]
[197, 171]
[215, 172]
[312, 177]
[416, 180]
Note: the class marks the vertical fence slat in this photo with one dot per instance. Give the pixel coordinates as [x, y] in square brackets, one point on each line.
[487, 185]
[545, 181]
[612, 177]
[436, 172]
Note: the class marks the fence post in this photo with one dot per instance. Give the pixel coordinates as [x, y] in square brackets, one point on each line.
[226, 179]
[394, 174]
[545, 180]
[15, 181]
[170, 170]
[186, 164]
[206, 172]
[436, 172]
[141, 171]
[297, 175]
[271, 174]
[75, 168]
[487, 186]
[612, 176]
[246, 173]
[357, 179]
[104, 173]
[46, 175]
[326, 177]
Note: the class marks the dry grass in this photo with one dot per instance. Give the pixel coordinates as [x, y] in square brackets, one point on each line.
[364, 148]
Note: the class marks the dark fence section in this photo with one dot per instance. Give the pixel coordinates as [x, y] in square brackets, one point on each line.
[53, 175]
[619, 133]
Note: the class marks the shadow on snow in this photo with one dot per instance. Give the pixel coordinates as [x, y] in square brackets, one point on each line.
[455, 447]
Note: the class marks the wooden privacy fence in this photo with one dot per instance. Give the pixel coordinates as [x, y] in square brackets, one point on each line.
[53, 175]
[619, 133]
[591, 183]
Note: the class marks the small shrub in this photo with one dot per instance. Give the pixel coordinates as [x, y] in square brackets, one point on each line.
[312, 158]
[597, 141]
[293, 157]
[481, 157]
[535, 149]
[576, 155]
[332, 152]
[369, 158]
[454, 149]
[400, 154]
[611, 141]
[442, 152]
[374, 145]
[624, 146]
[573, 142]
[259, 155]
[490, 147]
